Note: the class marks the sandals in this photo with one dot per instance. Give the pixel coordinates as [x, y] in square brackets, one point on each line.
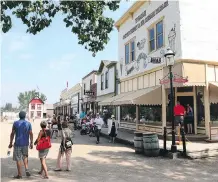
[45, 177]
[17, 177]
[57, 170]
[28, 174]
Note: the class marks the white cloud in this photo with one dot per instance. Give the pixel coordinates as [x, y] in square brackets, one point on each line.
[63, 63]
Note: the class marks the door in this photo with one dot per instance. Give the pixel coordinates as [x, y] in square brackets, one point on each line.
[184, 101]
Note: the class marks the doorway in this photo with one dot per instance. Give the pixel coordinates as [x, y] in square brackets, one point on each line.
[184, 101]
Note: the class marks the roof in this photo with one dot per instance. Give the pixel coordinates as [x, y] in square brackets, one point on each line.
[92, 72]
[36, 101]
[106, 63]
[130, 12]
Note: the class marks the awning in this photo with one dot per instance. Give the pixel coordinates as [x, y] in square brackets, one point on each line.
[213, 89]
[147, 96]
[110, 101]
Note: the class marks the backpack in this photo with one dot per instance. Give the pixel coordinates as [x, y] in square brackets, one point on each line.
[68, 143]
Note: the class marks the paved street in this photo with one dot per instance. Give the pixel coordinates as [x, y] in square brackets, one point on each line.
[108, 163]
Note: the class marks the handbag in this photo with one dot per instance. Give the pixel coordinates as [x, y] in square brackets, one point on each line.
[44, 143]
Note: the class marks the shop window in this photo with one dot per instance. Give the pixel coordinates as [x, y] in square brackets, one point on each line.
[132, 49]
[214, 114]
[184, 89]
[106, 80]
[156, 36]
[33, 106]
[39, 106]
[148, 114]
[102, 82]
[128, 113]
[39, 114]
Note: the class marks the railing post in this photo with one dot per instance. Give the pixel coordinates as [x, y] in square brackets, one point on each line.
[210, 130]
[183, 141]
[165, 139]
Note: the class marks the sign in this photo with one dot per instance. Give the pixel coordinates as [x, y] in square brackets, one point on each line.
[89, 93]
[175, 80]
[155, 60]
[147, 18]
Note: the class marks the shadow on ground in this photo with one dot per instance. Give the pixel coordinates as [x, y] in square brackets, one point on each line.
[103, 166]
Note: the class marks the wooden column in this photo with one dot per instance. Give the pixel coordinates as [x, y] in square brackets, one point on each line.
[164, 108]
[207, 104]
[195, 112]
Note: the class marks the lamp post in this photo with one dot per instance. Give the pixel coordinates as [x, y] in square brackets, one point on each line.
[169, 57]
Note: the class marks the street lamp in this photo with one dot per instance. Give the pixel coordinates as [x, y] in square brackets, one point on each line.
[169, 57]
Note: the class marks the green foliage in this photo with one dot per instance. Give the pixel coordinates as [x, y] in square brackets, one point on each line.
[25, 97]
[8, 107]
[85, 18]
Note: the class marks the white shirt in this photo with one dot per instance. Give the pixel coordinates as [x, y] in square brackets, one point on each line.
[99, 122]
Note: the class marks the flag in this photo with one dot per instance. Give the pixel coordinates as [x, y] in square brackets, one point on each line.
[67, 84]
[37, 87]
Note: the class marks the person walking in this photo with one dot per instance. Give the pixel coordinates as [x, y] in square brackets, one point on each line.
[65, 147]
[22, 130]
[54, 127]
[43, 153]
[99, 122]
[60, 120]
[112, 128]
[189, 119]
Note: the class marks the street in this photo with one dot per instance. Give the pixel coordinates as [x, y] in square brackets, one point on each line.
[107, 162]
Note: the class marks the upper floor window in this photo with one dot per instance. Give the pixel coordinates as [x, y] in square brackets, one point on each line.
[32, 106]
[84, 87]
[39, 106]
[130, 52]
[102, 82]
[106, 79]
[90, 83]
[156, 38]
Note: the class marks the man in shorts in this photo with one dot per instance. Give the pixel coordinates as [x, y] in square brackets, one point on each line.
[22, 130]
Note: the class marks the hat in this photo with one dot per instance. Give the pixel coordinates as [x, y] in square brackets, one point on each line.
[22, 114]
[112, 116]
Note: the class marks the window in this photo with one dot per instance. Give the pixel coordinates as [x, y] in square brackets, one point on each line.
[102, 82]
[39, 114]
[130, 52]
[84, 87]
[39, 106]
[106, 79]
[156, 36]
[90, 83]
[32, 106]
[127, 53]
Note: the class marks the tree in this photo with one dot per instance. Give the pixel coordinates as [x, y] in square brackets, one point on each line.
[26, 97]
[85, 18]
[8, 107]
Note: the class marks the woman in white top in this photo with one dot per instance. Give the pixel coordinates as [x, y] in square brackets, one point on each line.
[99, 122]
[113, 126]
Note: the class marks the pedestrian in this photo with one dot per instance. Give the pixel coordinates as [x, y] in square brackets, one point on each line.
[22, 130]
[99, 122]
[189, 119]
[112, 128]
[60, 120]
[54, 127]
[43, 153]
[65, 147]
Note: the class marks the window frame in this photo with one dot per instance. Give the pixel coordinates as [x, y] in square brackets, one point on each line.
[102, 81]
[33, 106]
[84, 88]
[130, 51]
[154, 26]
[39, 108]
[90, 82]
[106, 79]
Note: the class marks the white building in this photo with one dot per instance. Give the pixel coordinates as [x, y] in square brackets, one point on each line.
[107, 85]
[145, 31]
[36, 108]
[89, 89]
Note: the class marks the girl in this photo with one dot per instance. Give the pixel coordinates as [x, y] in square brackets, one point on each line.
[112, 128]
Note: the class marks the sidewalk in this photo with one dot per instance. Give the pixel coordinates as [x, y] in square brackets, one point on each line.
[195, 150]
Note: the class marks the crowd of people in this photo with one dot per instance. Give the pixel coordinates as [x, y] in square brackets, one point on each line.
[58, 126]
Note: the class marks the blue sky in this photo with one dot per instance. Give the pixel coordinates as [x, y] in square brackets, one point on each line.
[49, 59]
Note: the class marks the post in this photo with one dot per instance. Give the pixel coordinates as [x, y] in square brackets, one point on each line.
[78, 110]
[164, 118]
[183, 141]
[137, 115]
[165, 139]
[173, 146]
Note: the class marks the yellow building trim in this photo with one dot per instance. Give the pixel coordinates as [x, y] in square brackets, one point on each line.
[129, 13]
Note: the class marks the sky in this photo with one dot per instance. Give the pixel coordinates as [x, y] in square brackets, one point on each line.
[49, 59]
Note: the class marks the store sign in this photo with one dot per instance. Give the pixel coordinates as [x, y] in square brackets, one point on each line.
[147, 18]
[155, 60]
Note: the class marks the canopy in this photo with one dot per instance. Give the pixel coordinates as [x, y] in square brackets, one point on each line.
[213, 88]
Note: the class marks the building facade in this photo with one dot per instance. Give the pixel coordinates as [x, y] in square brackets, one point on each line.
[36, 108]
[89, 91]
[70, 101]
[146, 30]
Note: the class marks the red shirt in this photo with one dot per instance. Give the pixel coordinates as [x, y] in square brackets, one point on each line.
[179, 110]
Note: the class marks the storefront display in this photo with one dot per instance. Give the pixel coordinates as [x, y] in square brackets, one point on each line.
[149, 114]
[200, 106]
[128, 113]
